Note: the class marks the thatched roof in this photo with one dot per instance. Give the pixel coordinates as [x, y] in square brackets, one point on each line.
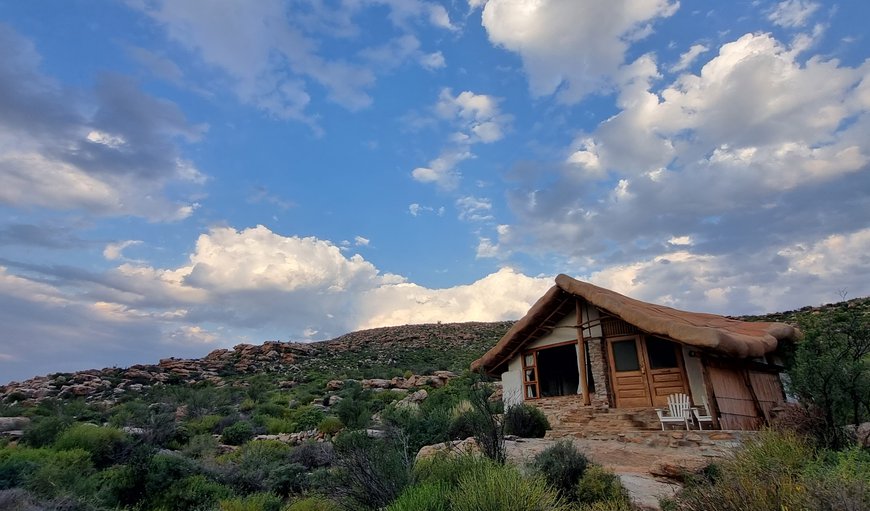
[730, 337]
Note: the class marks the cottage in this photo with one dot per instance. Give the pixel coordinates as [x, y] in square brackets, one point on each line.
[602, 350]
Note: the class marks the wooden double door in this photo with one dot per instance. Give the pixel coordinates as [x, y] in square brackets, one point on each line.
[645, 370]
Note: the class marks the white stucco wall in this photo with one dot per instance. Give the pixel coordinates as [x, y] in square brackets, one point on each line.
[512, 379]
[512, 382]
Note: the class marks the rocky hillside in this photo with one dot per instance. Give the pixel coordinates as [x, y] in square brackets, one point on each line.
[379, 352]
[376, 353]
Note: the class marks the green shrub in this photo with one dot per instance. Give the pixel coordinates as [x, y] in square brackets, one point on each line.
[238, 433]
[18, 463]
[600, 485]
[254, 502]
[162, 470]
[617, 504]
[194, 493]
[781, 471]
[330, 425]
[61, 473]
[201, 446]
[447, 468]
[43, 431]
[306, 418]
[272, 409]
[374, 470]
[354, 412]
[313, 455]
[117, 486]
[462, 426]
[103, 443]
[496, 487]
[277, 425]
[264, 466]
[561, 465]
[525, 421]
[207, 424]
[424, 497]
[425, 426]
[316, 503]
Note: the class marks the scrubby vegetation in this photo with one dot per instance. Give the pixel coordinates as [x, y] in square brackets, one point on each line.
[781, 471]
[193, 444]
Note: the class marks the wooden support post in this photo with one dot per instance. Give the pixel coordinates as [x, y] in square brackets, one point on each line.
[581, 349]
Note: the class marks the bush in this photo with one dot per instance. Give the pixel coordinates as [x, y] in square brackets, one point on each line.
[525, 421]
[43, 431]
[496, 487]
[561, 465]
[207, 424]
[103, 443]
[194, 493]
[374, 470]
[446, 468]
[782, 471]
[424, 497]
[306, 418]
[162, 470]
[116, 487]
[201, 446]
[353, 412]
[276, 425]
[600, 485]
[423, 426]
[608, 505]
[264, 465]
[61, 473]
[330, 425]
[313, 504]
[831, 371]
[255, 502]
[238, 433]
[313, 455]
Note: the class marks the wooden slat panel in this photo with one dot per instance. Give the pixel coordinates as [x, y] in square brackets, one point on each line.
[667, 377]
[667, 391]
[736, 408]
[768, 388]
[630, 380]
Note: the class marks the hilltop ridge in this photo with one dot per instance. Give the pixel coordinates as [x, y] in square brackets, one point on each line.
[386, 351]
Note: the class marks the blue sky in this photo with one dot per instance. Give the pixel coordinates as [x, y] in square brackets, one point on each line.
[181, 176]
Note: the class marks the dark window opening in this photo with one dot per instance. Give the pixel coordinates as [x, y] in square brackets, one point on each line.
[662, 353]
[625, 356]
[558, 374]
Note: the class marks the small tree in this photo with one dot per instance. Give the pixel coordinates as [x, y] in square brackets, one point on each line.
[831, 370]
[486, 422]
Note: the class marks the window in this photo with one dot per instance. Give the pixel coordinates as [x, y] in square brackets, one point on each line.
[625, 356]
[551, 371]
[530, 375]
[662, 353]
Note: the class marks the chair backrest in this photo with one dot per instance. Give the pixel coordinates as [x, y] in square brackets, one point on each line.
[678, 405]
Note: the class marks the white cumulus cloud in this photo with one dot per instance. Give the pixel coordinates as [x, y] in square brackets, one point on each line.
[570, 47]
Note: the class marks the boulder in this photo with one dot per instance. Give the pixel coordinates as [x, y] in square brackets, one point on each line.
[677, 468]
[13, 423]
[376, 383]
[455, 447]
[334, 385]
